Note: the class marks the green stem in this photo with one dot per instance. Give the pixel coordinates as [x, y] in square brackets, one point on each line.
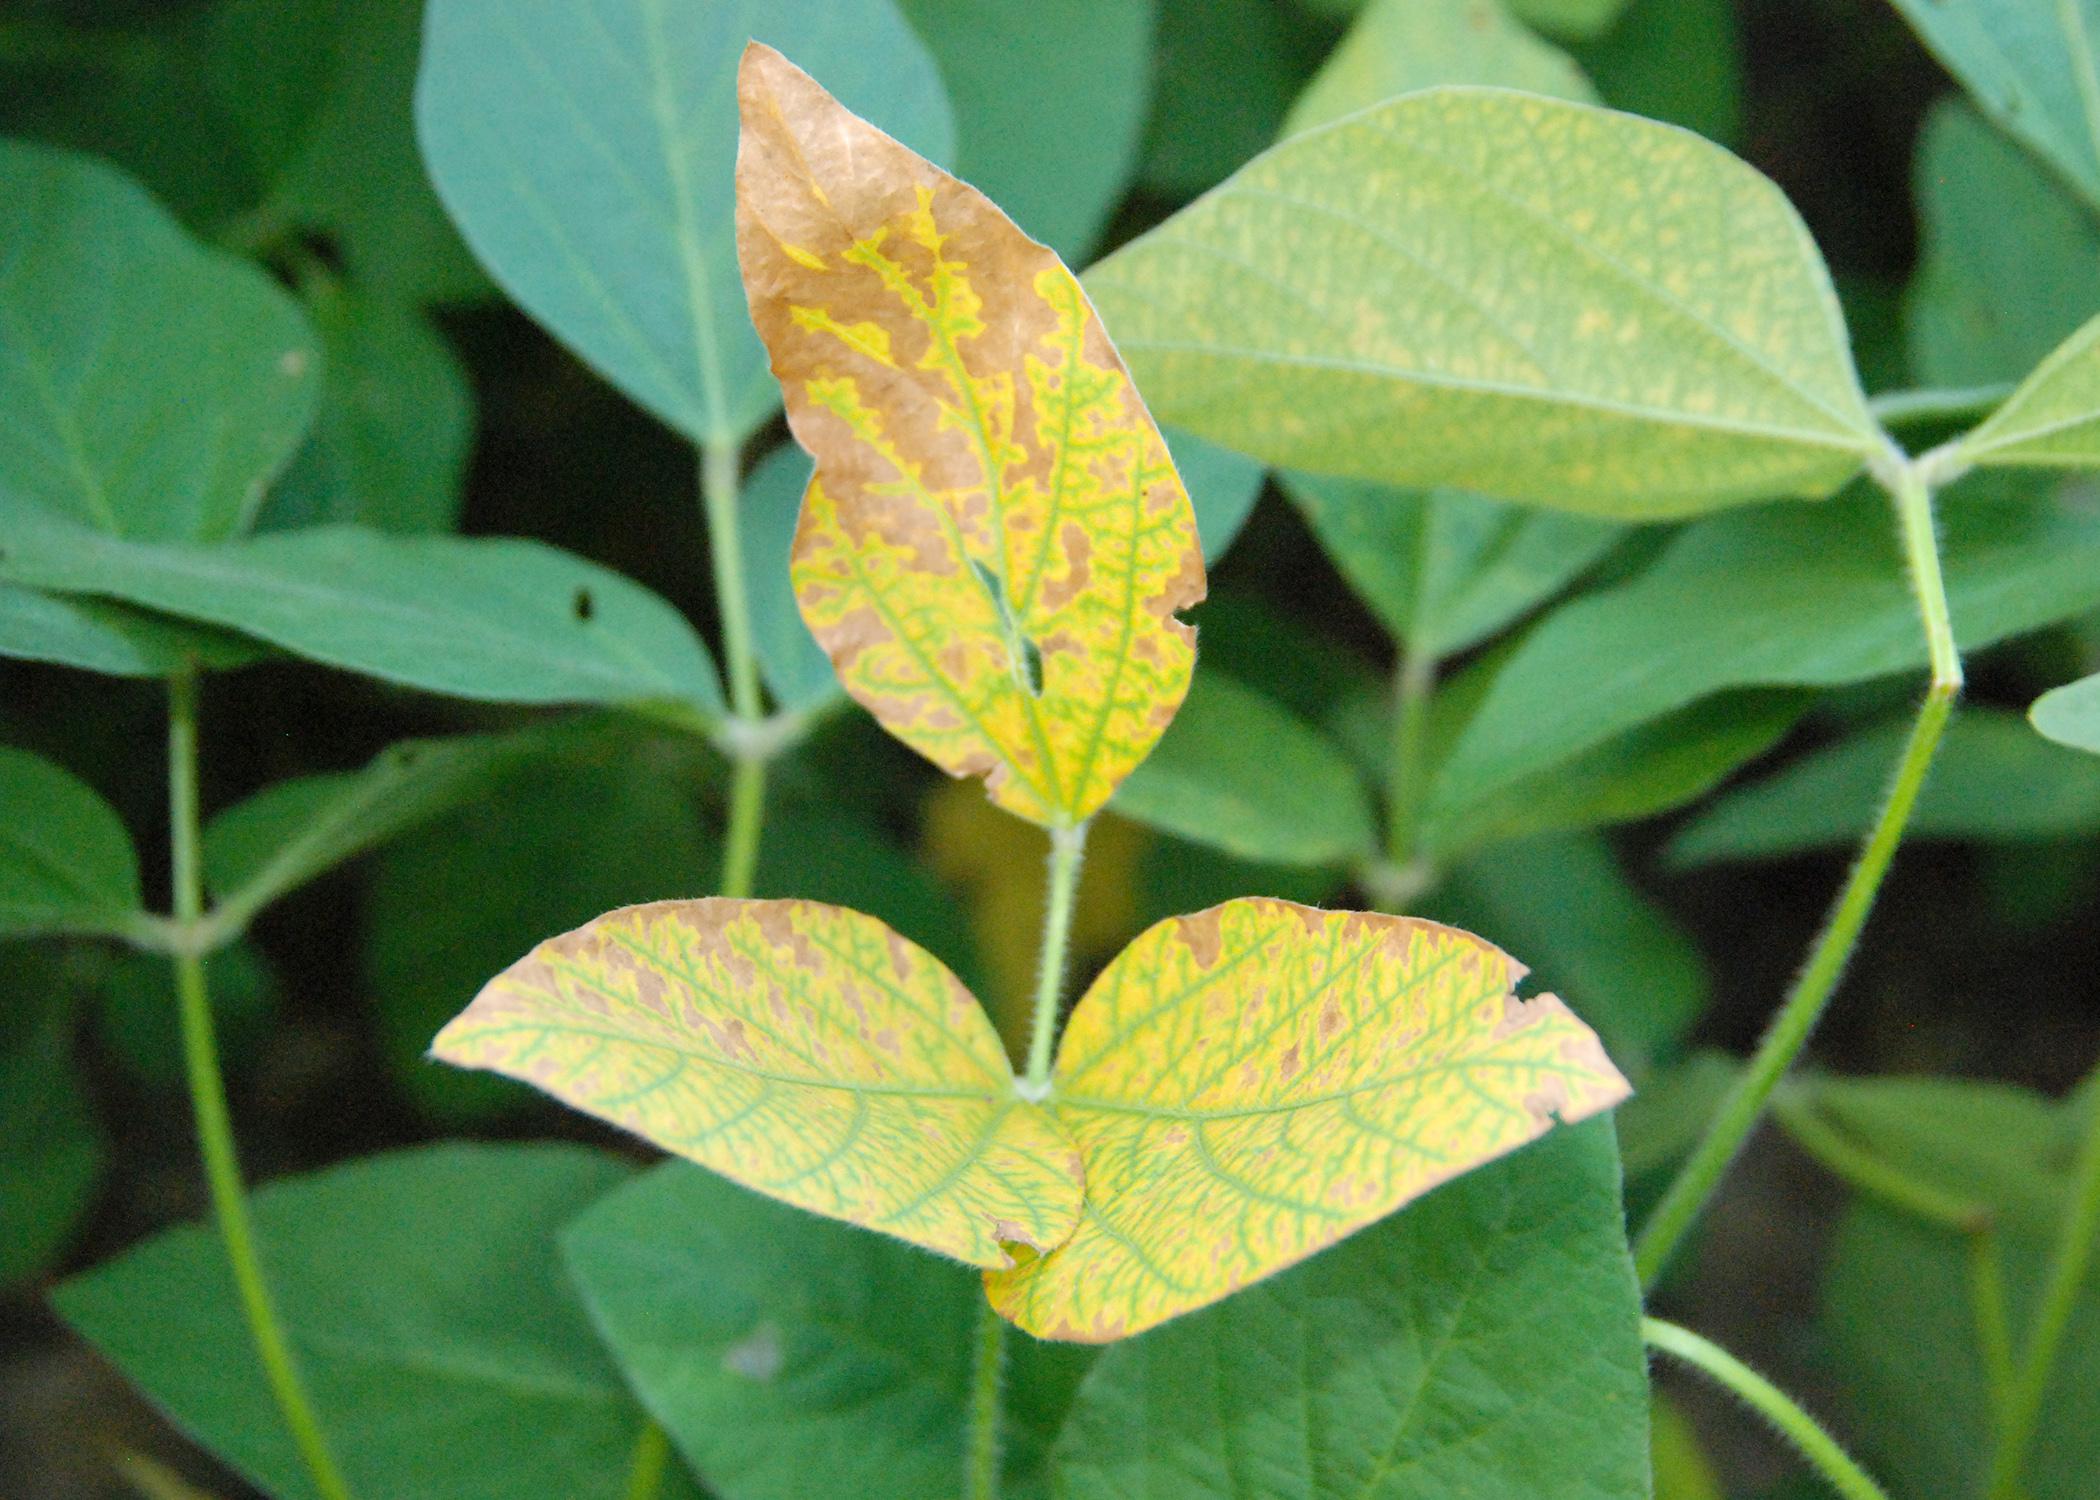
[1811, 992]
[652, 1460]
[1067, 850]
[1993, 1326]
[982, 1479]
[747, 786]
[1768, 1401]
[2060, 1287]
[1413, 679]
[222, 1170]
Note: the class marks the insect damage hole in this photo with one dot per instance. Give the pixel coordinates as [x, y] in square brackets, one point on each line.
[583, 606]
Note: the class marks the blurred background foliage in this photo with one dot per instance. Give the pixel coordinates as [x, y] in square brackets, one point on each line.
[1668, 912]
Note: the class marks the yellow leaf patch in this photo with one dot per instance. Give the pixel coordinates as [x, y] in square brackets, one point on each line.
[1252, 1083]
[803, 1050]
[995, 544]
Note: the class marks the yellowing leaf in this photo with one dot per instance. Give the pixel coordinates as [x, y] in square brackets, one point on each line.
[1252, 1083]
[803, 1050]
[995, 544]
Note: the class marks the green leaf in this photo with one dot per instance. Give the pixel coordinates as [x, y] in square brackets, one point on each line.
[1832, 605]
[321, 90]
[1227, 71]
[491, 618]
[1049, 101]
[1662, 764]
[1444, 570]
[552, 847]
[98, 636]
[2031, 65]
[66, 863]
[1240, 772]
[586, 154]
[1592, 936]
[2070, 715]
[797, 672]
[760, 1336]
[1572, 307]
[2008, 262]
[395, 423]
[1577, 18]
[138, 1019]
[1483, 1343]
[1993, 780]
[149, 387]
[286, 834]
[52, 1150]
[422, 1296]
[1679, 61]
[2053, 419]
[1222, 485]
[1399, 46]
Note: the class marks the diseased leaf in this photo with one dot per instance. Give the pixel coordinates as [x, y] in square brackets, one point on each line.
[2031, 65]
[996, 544]
[1250, 1084]
[1483, 1344]
[2009, 260]
[1399, 46]
[1022, 78]
[803, 1050]
[149, 387]
[1242, 773]
[760, 1336]
[99, 636]
[1443, 570]
[66, 863]
[585, 150]
[495, 618]
[2070, 715]
[2053, 419]
[1519, 296]
[1992, 780]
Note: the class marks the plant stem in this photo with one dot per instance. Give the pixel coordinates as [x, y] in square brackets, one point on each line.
[747, 786]
[652, 1459]
[982, 1479]
[1067, 850]
[1811, 992]
[1768, 1401]
[1413, 678]
[2067, 1267]
[222, 1170]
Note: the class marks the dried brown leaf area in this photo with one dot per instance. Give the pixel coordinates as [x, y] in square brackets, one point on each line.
[995, 545]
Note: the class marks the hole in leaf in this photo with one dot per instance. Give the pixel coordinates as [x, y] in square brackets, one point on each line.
[583, 605]
[1028, 658]
[1032, 661]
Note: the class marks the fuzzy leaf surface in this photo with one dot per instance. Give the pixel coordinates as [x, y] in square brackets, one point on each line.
[803, 1050]
[1525, 297]
[1253, 1083]
[996, 543]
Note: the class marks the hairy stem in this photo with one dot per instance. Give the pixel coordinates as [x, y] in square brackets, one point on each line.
[2052, 1317]
[1797, 1017]
[1413, 679]
[747, 785]
[1067, 850]
[200, 1047]
[1768, 1401]
[981, 1482]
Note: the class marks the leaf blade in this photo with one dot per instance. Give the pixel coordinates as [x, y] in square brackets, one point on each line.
[66, 861]
[739, 1033]
[2070, 714]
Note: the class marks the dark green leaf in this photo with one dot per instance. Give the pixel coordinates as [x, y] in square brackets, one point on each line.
[66, 863]
[1811, 596]
[139, 1022]
[149, 387]
[586, 153]
[1238, 771]
[1049, 100]
[492, 618]
[98, 636]
[1674, 60]
[765, 1339]
[52, 1151]
[1994, 780]
[1483, 1342]
[1227, 72]
[1444, 570]
[1576, 18]
[422, 1296]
